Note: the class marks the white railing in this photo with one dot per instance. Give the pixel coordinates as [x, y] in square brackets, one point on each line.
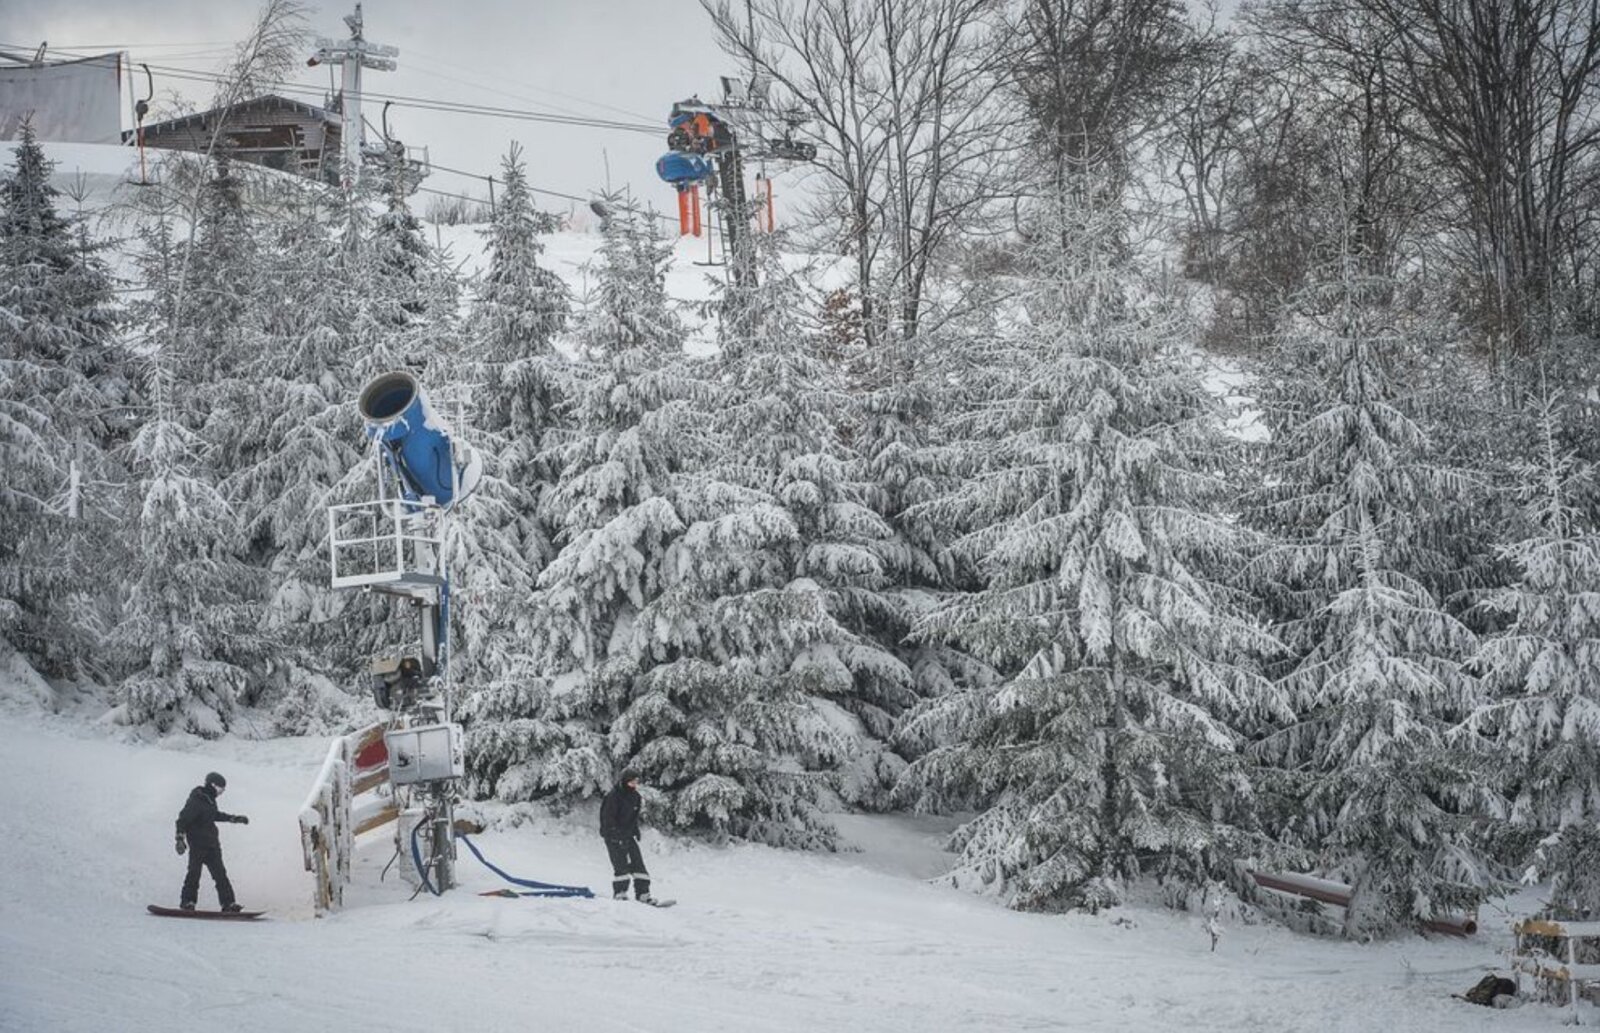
[329, 823]
[384, 542]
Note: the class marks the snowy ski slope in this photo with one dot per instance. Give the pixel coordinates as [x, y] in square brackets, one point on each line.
[762, 940]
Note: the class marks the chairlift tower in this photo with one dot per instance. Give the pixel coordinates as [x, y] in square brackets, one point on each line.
[352, 55]
[395, 544]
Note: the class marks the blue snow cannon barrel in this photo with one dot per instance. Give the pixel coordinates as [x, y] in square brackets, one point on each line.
[681, 169]
[415, 440]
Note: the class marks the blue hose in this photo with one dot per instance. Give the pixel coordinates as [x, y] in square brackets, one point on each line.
[540, 889]
[416, 857]
[535, 888]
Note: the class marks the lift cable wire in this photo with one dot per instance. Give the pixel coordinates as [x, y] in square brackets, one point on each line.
[428, 59]
[226, 48]
[419, 103]
[197, 75]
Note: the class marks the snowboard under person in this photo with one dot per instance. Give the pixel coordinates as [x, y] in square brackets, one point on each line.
[619, 827]
[197, 830]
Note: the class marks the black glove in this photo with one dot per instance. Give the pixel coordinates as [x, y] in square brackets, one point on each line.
[241, 819]
[180, 844]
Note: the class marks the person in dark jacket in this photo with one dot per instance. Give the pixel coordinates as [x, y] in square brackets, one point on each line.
[197, 830]
[619, 827]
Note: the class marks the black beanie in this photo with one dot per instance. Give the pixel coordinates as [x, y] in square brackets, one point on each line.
[629, 775]
[214, 779]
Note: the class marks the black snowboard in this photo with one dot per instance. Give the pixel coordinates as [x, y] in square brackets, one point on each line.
[223, 916]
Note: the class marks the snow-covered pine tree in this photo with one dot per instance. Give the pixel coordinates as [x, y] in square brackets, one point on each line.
[903, 398]
[63, 397]
[220, 298]
[196, 638]
[517, 311]
[612, 510]
[190, 629]
[1539, 724]
[1354, 502]
[296, 434]
[656, 631]
[415, 290]
[372, 292]
[404, 256]
[710, 685]
[1106, 751]
[776, 427]
[509, 368]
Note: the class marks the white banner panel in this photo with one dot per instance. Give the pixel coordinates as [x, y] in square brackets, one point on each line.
[73, 102]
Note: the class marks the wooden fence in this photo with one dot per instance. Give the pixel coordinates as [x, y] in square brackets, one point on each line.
[1555, 975]
[331, 818]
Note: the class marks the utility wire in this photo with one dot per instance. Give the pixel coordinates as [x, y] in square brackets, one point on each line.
[426, 104]
[435, 167]
[426, 59]
[403, 100]
[224, 48]
[216, 44]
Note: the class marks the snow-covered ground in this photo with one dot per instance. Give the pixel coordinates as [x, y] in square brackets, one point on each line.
[761, 940]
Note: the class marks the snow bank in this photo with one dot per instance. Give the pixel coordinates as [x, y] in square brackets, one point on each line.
[21, 687]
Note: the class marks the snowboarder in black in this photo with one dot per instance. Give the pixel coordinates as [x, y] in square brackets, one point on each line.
[197, 831]
[619, 827]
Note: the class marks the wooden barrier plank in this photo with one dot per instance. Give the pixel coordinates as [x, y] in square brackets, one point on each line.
[1552, 969]
[378, 819]
[370, 780]
[1558, 929]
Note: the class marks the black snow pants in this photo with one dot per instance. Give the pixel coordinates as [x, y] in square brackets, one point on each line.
[627, 863]
[209, 855]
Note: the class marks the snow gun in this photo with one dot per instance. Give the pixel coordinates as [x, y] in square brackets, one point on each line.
[415, 442]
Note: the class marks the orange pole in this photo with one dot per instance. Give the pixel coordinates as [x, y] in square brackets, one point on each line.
[772, 223]
[683, 212]
[696, 192]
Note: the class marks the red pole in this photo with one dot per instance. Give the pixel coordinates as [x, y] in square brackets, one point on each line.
[683, 213]
[772, 223]
[696, 192]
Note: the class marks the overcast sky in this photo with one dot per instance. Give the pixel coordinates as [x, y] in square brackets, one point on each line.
[625, 60]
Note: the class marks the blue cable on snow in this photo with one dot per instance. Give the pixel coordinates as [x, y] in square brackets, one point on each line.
[536, 888]
[541, 889]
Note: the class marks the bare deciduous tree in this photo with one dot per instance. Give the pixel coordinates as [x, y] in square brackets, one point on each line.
[904, 102]
[1220, 96]
[1507, 94]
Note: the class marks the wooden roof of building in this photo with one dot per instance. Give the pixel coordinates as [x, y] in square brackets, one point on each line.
[241, 112]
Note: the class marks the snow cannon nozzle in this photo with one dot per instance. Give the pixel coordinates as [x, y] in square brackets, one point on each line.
[416, 441]
[387, 397]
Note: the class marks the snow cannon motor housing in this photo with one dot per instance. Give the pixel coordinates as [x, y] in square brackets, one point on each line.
[425, 753]
[400, 682]
[416, 441]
